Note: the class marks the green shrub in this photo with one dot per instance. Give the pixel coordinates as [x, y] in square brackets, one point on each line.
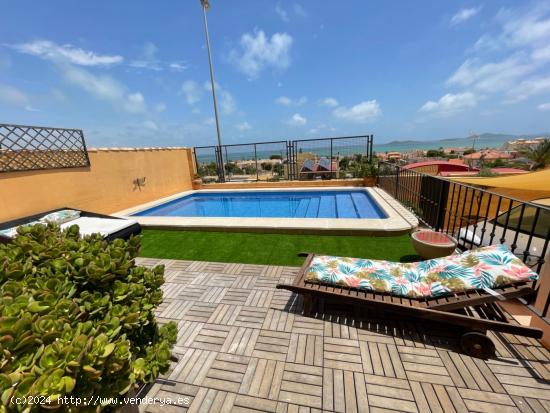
[76, 319]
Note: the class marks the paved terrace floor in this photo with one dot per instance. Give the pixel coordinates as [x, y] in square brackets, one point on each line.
[244, 346]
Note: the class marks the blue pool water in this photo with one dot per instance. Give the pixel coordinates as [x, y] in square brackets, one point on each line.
[268, 204]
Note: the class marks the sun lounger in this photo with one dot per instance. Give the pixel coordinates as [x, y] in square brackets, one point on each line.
[88, 222]
[461, 290]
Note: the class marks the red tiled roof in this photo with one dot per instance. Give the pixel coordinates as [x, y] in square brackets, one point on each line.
[487, 155]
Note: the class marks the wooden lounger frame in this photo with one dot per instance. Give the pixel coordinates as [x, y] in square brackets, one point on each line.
[474, 310]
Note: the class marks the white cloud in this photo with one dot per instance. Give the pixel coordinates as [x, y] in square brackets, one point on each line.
[299, 10]
[283, 14]
[68, 58]
[297, 120]
[191, 91]
[541, 54]
[286, 101]
[491, 77]
[149, 60]
[105, 88]
[519, 28]
[283, 100]
[450, 104]
[523, 39]
[363, 112]
[227, 102]
[149, 124]
[178, 66]
[259, 52]
[464, 14]
[244, 126]
[160, 107]
[226, 99]
[58, 95]
[528, 88]
[320, 128]
[13, 96]
[66, 53]
[330, 102]
[135, 103]
[544, 107]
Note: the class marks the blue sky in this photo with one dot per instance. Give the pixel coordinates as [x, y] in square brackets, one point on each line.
[135, 73]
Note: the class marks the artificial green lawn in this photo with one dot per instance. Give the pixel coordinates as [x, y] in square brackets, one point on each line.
[269, 249]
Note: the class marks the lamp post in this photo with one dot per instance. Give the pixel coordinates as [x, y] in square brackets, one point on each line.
[205, 4]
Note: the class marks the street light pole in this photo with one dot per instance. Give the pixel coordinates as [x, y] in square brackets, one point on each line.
[205, 4]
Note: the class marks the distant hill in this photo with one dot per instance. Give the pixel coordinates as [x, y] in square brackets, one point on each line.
[484, 140]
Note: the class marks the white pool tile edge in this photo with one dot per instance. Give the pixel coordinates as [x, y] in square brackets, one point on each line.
[400, 219]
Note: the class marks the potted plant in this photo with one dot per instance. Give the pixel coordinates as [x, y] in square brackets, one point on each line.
[77, 321]
[366, 170]
[196, 182]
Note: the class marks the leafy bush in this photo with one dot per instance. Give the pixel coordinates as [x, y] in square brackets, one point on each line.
[76, 319]
[364, 169]
[486, 172]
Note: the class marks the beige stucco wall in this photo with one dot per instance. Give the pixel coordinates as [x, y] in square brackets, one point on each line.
[107, 186]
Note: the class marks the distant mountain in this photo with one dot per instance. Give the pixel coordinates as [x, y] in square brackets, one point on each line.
[484, 140]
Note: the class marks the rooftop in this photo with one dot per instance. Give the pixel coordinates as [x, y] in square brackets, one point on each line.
[244, 346]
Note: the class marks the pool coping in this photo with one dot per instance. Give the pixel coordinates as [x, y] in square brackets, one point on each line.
[399, 221]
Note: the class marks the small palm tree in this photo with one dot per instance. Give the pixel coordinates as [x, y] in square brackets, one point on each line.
[540, 155]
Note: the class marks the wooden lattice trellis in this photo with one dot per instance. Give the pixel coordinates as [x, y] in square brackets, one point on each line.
[27, 148]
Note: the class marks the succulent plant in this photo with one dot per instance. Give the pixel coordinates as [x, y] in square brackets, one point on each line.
[77, 319]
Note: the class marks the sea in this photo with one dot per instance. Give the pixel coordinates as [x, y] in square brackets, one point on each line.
[207, 155]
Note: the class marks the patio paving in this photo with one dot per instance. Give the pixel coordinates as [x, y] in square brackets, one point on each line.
[244, 346]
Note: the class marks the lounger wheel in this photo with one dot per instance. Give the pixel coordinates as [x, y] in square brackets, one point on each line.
[477, 344]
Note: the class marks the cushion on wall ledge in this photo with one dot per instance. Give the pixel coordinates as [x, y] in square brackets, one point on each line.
[60, 217]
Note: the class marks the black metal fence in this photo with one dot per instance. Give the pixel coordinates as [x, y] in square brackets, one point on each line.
[305, 159]
[474, 216]
[25, 148]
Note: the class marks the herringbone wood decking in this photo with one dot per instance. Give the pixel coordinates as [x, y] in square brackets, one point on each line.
[244, 346]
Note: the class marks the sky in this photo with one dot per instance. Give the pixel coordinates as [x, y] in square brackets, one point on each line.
[135, 73]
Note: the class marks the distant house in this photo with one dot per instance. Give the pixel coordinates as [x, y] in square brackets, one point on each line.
[476, 159]
[522, 143]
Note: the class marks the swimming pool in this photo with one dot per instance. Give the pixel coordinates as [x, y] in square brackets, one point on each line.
[339, 204]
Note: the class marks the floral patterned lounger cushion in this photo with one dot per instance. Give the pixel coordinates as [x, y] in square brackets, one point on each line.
[487, 267]
[60, 217]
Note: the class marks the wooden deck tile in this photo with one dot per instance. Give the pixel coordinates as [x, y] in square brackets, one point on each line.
[236, 296]
[211, 337]
[240, 341]
[272, 345]
[250, 317]
[276, 320]
[302, 385]
[244, 346]
[305, 349]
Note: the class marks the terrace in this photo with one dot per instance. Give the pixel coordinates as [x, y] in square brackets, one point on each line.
[244, 345]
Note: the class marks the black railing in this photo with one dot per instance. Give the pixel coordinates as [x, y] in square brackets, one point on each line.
[25, 148]
[304, 159]
[473, 216]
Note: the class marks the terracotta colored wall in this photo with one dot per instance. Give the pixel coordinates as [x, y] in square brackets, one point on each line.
[107, 186]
